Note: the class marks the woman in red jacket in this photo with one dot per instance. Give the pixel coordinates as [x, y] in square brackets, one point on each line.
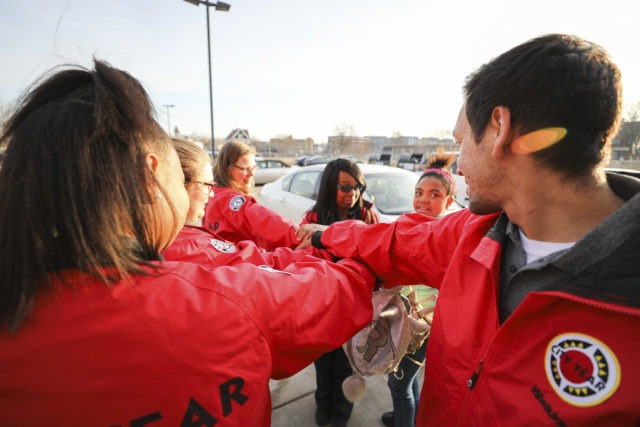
[198, 178]
[97, 329]
[197, 244]
[233, 213]
[339, 198]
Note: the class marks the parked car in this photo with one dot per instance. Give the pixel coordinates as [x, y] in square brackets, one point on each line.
[317, 160]
[409, 161]
[390, 189]
[631, 172]
[300, 160]
[269, 170]
[460, 195]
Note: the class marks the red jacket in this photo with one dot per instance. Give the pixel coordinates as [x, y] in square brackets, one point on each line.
[311, 217]
[576, 365]
[198, 245]
[190, 346]
[236, 217]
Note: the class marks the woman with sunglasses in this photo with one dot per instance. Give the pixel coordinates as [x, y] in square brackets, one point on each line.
[233, 213]
[339, 198]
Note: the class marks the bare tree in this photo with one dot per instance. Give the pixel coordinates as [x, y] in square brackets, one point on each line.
[441, 133]
[633, 112]
[339, 143]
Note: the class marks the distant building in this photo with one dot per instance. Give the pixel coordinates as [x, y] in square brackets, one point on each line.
[356, 146]
[285, 146]
[626, 144]
[239, 135]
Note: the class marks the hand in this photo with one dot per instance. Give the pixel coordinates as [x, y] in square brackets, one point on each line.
[306, 243]
[306, 231]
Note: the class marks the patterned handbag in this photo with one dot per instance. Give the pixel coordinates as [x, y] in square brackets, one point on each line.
[399, 327]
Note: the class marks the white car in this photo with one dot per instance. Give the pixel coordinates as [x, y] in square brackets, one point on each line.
[461, 196]
[390, 189]
[269, 170]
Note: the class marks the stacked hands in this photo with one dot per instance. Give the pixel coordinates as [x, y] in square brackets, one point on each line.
[304, 233]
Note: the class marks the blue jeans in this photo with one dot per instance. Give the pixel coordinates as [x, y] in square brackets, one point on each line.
[405, 388]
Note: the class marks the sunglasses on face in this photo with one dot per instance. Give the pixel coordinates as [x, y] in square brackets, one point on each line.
[358, 188]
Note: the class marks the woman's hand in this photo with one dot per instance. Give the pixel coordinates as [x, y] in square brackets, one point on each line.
[306, 231]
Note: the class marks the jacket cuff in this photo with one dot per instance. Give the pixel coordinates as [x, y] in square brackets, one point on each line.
[316, 241]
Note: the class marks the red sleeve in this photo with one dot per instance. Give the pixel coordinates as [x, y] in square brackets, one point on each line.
[282, 257]
[236, 217]
[413, 249]
[311, 217]
[302, 311]
[313, 307]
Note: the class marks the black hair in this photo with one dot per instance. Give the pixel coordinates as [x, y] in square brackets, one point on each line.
[442, 163]
[326, 207]
[555, 80]
[74, 180]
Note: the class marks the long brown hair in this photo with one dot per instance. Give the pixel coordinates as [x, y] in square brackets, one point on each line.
[192, 158]
[227, 157]
[74, 181]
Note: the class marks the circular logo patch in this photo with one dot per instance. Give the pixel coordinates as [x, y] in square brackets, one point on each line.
[236, 202]
[582, 370]
[225, 247]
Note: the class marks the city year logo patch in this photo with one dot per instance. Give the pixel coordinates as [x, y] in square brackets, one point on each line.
[236, 202]
[582, 370]
[225, 247]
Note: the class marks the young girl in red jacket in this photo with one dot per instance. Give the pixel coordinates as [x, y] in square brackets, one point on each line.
[433, 195]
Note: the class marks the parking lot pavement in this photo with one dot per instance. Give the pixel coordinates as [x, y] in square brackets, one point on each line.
[293, 404]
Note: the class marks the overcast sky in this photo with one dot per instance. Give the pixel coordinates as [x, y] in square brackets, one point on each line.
[302, 67]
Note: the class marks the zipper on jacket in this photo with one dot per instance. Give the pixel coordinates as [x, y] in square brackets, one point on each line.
[491, 349]
[471, 382]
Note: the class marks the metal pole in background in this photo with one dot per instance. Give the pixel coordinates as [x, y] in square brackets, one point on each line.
[213, 140]
[223, 7]
[167, 106]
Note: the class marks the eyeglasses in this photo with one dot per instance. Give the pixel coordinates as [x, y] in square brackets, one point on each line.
[246, 170]
[205, 187]
[359, 188]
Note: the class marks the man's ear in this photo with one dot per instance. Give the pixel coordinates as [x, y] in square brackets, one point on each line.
[501, 122]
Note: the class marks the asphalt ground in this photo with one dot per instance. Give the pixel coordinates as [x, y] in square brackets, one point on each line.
[293, 404]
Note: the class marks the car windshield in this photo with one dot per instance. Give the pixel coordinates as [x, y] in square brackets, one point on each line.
[392, 194]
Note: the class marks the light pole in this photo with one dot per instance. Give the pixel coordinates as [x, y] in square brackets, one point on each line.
[222, 7]
[167, 106]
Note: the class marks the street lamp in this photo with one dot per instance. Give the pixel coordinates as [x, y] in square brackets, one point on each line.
[222, 7]
[167, 106]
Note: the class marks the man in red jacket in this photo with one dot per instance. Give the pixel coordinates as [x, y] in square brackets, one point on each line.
[538, 316]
